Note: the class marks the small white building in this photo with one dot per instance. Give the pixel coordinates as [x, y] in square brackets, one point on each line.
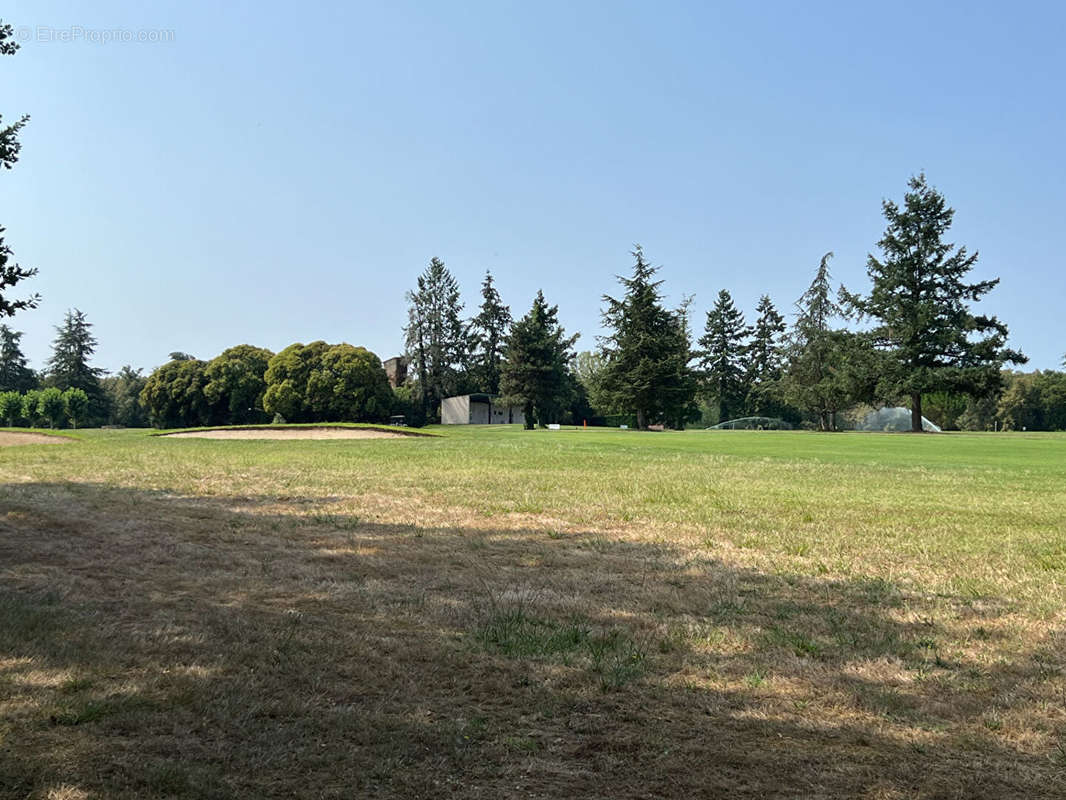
[478, 409]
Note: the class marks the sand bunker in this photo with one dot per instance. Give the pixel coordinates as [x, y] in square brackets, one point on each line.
[13, 437]
[289, 433]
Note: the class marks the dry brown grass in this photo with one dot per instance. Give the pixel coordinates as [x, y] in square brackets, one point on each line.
[157, 644]
[11, 438]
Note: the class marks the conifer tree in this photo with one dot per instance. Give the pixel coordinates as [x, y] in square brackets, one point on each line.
[69, 365]
[536, 372]
[10, 272]
[436, 344]
[723, 357]
[15, 376]
[648, 352]
[766, 352]
[920, 302]
[489, 331]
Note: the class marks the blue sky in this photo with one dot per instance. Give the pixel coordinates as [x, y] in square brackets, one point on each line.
[279, 173]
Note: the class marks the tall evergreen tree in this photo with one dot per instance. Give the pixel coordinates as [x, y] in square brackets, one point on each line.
[436, 344]
[920, 300]
[766, 353]
[11, 273]
[69, 365]
[489, 331]
[536, 373]
[723, 357]
[648, 352]
[766, 362]
[15, 376]
[829, 369]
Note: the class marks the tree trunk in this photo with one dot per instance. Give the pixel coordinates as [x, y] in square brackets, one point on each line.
[642, 420]
[823, 422]
[527, 412]
[916, 413]
[833, 421]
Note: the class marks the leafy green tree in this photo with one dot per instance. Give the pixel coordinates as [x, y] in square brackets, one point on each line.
[648, 351]
[535, 374]
[178, 355]
[724, 357]
[286, 381]
[435, 337]
[69, 365]
[31, 407]
[124, 393]
[589, 368]
[10, 407]
[236, 383]
[11, 273]
[920, 301]
[15, 376]
[76, 405]
[1034, 401]
[51, 406]
[488, 334]
[348, 384]
[174, 396]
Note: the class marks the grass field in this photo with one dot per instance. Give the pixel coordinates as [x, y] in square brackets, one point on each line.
[497, 613]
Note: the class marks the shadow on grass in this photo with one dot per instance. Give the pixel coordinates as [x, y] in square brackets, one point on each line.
[154, 645]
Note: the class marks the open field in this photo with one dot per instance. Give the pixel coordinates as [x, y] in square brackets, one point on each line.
[498, 613]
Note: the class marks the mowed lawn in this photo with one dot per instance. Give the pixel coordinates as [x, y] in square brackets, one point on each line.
[499, 613]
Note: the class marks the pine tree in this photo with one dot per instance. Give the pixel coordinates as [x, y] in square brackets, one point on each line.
[489, 331]
[15, 376]
[648, 352]
[723, 357]
[69, 365]
[436, 344]
[920, 300]
[766, 353]
[11, 273]
[829, 369]
[535, 374]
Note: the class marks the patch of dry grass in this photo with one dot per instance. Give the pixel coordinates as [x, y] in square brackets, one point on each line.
[200, 619]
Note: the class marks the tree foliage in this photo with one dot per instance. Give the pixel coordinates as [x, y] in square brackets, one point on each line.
[15, 376]
[286, 381]
[10, 407]
[10, 272]
[174, 396]
[648, 351]
[829, 369]
[488, 334]
[724, 357]
[69, 365]
[920, 302]
[348, 384]
[435, 336]
[51, 406]
[124, 393]
[75, 405]
[236, 383]
[535, 374]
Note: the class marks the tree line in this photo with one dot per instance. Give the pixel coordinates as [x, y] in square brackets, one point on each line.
[922, 343]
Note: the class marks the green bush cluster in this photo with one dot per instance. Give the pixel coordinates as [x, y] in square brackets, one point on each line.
[49, 407]
[317, 382]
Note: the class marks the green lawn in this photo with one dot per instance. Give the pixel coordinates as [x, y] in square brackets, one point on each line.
[494, 612]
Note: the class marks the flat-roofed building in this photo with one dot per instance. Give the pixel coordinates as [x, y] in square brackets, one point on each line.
[479, 409]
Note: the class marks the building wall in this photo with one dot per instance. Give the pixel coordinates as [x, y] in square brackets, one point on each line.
[461, 411]
[455, 410]
[396, 371]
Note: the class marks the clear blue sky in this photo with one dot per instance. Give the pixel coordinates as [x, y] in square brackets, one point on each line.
[282, 172]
